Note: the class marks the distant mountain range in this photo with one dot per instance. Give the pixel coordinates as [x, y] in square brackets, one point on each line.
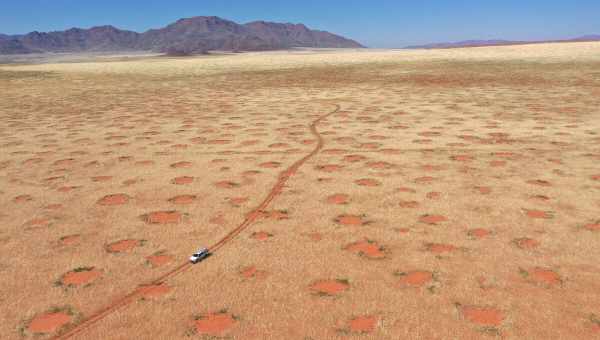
[186, 36]
[478, 43]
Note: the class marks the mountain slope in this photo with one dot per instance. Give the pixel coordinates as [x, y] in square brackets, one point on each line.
[201, 34]
[591, 37]
[9, 45]
[467, 43]
[479, 43]
[298, 35]
[185, 36]
[102, 38]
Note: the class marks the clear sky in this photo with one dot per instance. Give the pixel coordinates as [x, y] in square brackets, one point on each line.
[376, 23]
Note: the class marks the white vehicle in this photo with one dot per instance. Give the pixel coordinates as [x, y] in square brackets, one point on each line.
[199, 255]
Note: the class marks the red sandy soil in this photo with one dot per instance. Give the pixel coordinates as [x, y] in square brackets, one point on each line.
[159, 260]
[237, 201]
[70, 240]
[483, 316]
[272, 214]
[527, 243]
[49, 322]
[23, 198]
[368, 182]
[416, 278]
[162, 217]
[214, 324]
[408, 204]
[351, 220]
[315, 236]
[338, 199]
[440, 248]
[226, 184]
[367, 248]
[354, 158]
[479, 233]
[433, 219]
[543, 276]
[218, 219]
[81, 277]
[182, 180]
[114, 199]
[484, 190]
[270, 165]
[593, 226]
[533, 213]
[183, 199]
[261, 235]
[182, 164]
[424, 179]
[122, 246]
[379, 165]
[329, 287]
[38, 222]
[363, 324]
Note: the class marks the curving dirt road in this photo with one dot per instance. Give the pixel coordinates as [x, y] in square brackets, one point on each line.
[250, 218]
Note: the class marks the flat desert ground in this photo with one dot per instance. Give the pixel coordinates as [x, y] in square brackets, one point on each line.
[376, 194]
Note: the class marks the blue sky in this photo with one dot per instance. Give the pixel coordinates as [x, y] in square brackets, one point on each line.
[383, 23]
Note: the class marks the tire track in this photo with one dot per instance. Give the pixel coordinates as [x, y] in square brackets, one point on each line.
[251, 217]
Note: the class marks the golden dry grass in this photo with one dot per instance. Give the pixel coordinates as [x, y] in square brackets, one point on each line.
[468, 184]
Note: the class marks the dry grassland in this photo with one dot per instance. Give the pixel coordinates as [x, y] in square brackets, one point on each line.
[455, 195]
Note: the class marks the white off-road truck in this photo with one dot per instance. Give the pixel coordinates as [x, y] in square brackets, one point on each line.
[199, 255]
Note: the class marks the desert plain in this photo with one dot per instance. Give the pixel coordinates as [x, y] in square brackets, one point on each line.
[345, 194]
